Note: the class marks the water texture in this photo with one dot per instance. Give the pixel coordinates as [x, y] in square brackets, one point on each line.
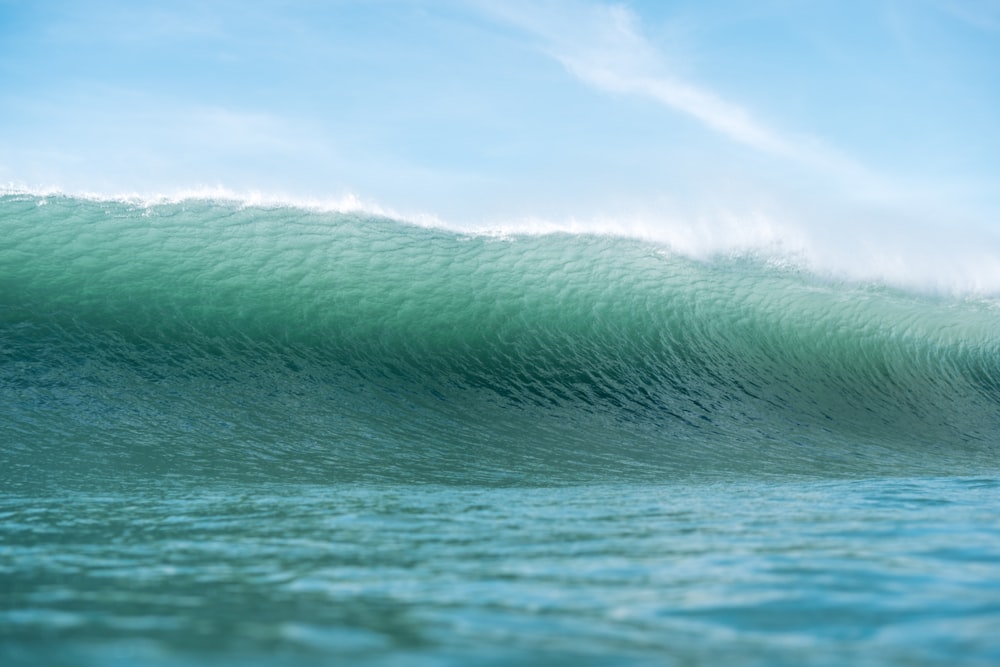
[254, 434]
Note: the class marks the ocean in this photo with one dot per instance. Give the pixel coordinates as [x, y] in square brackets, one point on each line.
[235, 433]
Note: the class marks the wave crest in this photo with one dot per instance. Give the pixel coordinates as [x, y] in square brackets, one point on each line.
[233, 335]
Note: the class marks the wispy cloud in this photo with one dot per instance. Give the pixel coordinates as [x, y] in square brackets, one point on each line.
[603, 46]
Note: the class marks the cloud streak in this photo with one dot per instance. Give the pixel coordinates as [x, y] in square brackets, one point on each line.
[603, 46]
[625, 62]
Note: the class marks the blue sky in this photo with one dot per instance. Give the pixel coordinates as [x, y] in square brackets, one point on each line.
[828, 113]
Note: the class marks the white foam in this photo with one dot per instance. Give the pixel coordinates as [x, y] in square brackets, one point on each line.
[956, 261]
[913, 254]
[247, 198]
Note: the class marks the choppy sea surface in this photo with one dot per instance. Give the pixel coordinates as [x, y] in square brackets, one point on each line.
[236, 434]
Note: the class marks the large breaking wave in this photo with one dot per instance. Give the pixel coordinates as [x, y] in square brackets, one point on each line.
[211, 337]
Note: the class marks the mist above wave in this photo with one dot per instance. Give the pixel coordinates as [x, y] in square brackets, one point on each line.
[946, 257]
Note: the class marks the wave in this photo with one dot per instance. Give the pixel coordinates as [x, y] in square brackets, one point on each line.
[226, 338]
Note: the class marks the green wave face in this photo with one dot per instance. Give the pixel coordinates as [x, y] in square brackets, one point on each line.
[210, 337]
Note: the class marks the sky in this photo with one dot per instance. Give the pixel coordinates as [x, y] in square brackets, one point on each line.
[725, 121]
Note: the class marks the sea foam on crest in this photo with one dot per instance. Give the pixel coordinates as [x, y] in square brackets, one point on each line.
[956, 261]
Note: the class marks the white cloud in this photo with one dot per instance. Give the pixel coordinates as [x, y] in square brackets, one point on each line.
[603, 46]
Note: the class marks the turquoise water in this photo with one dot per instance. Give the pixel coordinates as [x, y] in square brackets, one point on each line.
[240, 435]
[858, 572]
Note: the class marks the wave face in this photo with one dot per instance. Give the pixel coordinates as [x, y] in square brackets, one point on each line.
[211, 337]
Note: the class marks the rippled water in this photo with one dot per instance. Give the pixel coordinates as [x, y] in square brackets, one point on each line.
[238, 435]
[902, 571]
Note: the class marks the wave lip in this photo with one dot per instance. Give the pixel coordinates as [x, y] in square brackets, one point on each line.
[207, 335]
[952, 260]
